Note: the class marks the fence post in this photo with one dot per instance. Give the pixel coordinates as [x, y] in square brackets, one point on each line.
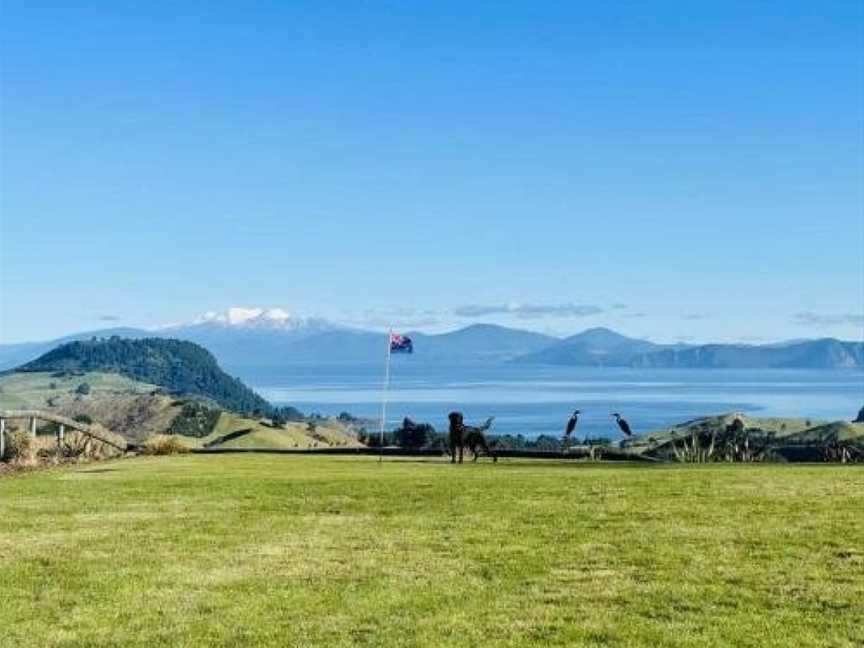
[33, 426]
[61, 432]
[2, 438]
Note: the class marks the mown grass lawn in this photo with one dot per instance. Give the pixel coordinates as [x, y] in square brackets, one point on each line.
[289, 551]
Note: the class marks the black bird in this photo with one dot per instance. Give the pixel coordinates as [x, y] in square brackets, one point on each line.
[624, 425]
[571, 424]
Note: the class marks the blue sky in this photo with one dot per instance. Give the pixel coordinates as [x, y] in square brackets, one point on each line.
[676, 170]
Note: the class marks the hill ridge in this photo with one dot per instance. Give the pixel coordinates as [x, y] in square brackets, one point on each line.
[176, 365]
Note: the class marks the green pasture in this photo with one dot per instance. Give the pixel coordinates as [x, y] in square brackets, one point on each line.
[33, 390]
[271, 550]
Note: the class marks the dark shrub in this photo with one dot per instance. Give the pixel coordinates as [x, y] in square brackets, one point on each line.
[194, 420]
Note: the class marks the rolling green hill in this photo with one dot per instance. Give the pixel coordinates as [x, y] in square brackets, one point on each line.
[43, 390]
[177, 366]
[836, 431]
[136, 411]
[233, 431]
[780, 427]
[767, 438]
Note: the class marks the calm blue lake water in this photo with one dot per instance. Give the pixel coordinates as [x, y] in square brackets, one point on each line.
[533, 400]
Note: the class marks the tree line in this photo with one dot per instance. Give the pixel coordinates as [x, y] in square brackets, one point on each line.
[424, 436]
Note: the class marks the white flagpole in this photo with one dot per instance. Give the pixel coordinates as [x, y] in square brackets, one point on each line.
[384, 397]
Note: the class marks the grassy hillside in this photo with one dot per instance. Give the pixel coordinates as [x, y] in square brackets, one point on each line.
[261, 435]
[768, 438]
[179, 367]
[781, 427]
[131, 408]
[125, 406]
[299, 551]
[838, 430]
[34, 390]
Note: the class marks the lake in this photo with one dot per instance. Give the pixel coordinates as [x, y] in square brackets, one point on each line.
[533, 400]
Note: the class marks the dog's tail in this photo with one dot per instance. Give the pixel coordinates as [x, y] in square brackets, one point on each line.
[487, 424]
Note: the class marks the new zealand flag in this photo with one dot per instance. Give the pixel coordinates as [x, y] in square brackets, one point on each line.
[400, 344]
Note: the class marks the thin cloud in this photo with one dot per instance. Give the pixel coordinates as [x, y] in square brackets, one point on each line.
[528, 311]
[694, 316]
[809, 318]
[618, 306]
[635, 315]
[479, 311]
[109, 318]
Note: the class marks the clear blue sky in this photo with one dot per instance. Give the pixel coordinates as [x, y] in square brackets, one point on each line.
[678, 170]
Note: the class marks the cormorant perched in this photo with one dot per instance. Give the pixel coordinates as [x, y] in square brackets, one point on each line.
[624, 425]
[571, 424]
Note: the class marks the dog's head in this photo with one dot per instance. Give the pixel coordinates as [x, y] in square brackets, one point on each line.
[455, 420]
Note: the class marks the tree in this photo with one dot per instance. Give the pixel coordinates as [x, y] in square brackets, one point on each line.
[282, 415]
[83, 389]
[860, 418]
[414, 435]
[194, 420]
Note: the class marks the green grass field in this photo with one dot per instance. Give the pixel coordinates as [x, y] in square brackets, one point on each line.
[294, 551]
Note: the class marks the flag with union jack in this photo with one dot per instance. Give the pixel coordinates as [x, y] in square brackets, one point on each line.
[401, 344]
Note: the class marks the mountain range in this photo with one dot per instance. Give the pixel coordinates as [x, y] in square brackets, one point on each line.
[270, 338]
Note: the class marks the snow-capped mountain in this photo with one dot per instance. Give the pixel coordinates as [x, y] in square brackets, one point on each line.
[241, 335]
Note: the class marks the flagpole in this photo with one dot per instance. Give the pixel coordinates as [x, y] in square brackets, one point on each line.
[384, 397]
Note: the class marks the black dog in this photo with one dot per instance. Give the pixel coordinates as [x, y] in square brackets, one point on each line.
[462, 435]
